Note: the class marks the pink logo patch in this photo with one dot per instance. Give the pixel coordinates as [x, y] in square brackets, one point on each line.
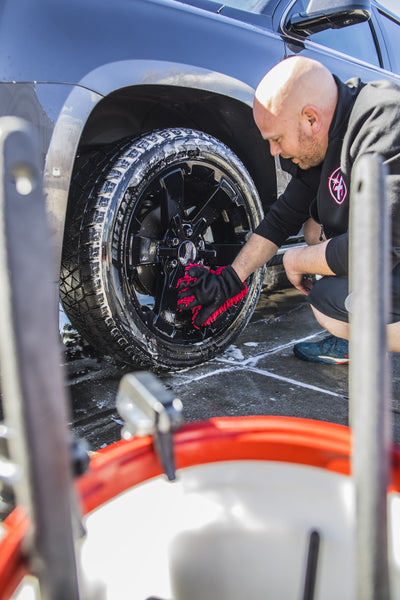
[337, 186]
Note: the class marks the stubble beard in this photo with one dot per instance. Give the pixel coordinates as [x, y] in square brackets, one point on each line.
[312, 153]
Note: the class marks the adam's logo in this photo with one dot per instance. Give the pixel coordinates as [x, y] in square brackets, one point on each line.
[337, 186]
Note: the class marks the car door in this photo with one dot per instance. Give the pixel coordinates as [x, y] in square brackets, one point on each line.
[386, 16]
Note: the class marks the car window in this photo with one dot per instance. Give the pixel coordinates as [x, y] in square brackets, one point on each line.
[392, 5]
[356, 40]
[391, 31]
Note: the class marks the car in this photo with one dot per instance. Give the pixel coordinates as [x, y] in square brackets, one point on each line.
[151, 159]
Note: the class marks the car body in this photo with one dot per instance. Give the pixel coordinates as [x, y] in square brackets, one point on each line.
[115, 86]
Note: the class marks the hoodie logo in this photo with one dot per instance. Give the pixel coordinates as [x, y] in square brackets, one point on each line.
[337, 186]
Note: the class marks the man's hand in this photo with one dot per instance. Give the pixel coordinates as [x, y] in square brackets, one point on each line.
[300, 281]
[303, 261]
[209, 293]
[296, 277]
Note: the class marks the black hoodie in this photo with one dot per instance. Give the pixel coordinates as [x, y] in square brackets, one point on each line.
[366, 120]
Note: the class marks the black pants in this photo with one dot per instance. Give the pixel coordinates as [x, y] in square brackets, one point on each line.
[328, 295]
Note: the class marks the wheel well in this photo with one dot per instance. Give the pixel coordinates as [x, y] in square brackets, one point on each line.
[136, 110]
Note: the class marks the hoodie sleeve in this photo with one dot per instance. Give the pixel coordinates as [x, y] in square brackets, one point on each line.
[290, 211]
[337, 254]
[374, 128]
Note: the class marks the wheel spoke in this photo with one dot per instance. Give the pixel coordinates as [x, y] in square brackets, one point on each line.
[143, 251]
[172, 196]
[221, 199]
[224, 254]
[165, 297]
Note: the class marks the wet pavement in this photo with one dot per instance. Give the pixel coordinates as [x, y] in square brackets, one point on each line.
[258, 375]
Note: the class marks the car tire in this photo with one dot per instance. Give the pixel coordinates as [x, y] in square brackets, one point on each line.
[139, 211]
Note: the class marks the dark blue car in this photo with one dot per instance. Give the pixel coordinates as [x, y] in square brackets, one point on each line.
[150, 155]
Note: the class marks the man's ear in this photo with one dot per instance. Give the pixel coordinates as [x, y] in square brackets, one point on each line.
[312, 117]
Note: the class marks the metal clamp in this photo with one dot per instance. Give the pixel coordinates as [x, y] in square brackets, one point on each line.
[148, 408]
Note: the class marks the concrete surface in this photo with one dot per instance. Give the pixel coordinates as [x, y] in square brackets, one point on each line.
[257, 375]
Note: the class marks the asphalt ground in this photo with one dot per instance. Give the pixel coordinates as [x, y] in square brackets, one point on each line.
[258, 375]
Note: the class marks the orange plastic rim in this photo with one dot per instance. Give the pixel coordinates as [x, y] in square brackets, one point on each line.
[125, 464]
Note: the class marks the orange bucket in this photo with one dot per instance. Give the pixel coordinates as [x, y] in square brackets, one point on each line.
[263, 507]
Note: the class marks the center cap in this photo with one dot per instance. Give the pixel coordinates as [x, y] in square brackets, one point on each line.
[187, 252]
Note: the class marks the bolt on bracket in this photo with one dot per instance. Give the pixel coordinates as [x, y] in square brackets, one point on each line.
[148, 408]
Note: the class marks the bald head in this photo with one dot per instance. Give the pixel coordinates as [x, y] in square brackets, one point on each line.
[295, 83]
[297, 92]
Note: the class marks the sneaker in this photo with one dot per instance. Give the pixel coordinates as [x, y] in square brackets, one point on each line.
[330, 350]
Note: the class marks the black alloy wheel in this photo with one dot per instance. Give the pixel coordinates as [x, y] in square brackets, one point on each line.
[148, 208]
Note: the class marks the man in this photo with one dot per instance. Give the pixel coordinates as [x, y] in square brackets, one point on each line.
[318, 126]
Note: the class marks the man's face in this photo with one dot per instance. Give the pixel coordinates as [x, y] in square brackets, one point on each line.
[293, 139]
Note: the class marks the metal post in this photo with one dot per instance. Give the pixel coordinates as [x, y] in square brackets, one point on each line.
[370, 376]
[34, 397]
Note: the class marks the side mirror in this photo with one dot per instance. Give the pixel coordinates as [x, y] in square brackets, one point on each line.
[328, 14]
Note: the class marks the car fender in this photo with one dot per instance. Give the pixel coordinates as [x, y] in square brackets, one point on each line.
[116, 75]
[93, 88]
